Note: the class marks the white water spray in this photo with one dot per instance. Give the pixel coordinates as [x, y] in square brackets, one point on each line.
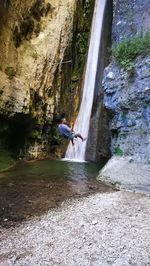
[82, 123]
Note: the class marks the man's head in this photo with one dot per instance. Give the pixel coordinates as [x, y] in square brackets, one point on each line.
[63, 120]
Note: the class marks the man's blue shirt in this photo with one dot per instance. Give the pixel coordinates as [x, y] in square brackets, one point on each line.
[64, 130]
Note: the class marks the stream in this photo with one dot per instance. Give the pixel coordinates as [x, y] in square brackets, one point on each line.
[31, 189]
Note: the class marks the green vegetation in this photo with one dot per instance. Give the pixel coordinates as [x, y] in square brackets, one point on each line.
[123, 135]
[141, 131]
[130, 15]
[82, 42]
[124, 114]
[36, 135]
[145, 105]
[128, 65]
[1, 91]
[82, 47]
[129, 49]
[6, 160]
[10, 72]
[34, 55]
[56, 138]
[81, 36]
[87, 6]
[116, 184]
[118, 151]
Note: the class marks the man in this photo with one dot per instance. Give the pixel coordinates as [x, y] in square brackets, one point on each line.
[67, 132]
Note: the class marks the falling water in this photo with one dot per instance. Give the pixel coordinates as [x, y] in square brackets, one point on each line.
[77, 152]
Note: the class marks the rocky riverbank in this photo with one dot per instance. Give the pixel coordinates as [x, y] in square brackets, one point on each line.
[100, 230]
[127, 173]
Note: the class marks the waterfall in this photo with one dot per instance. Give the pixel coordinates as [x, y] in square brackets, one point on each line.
[82, 123]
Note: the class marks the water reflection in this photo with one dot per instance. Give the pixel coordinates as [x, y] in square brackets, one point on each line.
[33, 188]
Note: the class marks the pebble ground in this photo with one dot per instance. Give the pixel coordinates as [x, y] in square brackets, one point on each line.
[99, 230]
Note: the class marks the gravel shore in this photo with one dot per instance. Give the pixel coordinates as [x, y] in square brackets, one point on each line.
[99, 230]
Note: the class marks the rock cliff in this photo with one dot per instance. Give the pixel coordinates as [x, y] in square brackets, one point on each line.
[126, 98]
[43, 45]
[126, 83]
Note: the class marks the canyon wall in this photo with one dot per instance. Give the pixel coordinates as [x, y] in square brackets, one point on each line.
[127, 88]
[43, 46]
[124, 116]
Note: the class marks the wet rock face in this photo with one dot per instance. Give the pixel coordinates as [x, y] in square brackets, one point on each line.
[130, 18]
[32, 49]
[128, 100]
[127, 93]
[31, 70]
[43, 46]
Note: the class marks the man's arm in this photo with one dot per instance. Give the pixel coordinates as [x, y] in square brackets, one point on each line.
[68, 128]
[71, 124]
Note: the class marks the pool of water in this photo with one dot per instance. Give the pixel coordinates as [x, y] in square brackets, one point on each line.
[31, 189]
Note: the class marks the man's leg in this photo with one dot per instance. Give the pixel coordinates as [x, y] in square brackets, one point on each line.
[72, 141]
[78, 135]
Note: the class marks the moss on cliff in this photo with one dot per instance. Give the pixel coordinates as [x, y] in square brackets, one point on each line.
[127, 50]
[82, 26]
[81, 36]
[6, 160]
[30, 22]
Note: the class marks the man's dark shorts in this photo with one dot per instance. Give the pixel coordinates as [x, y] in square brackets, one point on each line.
[71, 136]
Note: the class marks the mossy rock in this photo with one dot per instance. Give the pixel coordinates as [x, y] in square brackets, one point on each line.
[6, 160]
[10, 72]
[129, 49]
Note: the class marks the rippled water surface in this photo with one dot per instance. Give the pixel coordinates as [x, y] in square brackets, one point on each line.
[30, 189]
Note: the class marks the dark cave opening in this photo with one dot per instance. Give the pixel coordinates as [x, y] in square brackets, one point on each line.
[15, 132]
